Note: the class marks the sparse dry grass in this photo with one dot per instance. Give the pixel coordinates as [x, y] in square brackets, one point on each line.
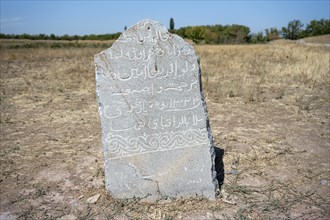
[269, 111]
[323, 39]
[297, 74]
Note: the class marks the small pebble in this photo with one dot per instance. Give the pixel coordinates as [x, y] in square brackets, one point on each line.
[323, 182]
[93, 199]
[164, 201]
[233, 172]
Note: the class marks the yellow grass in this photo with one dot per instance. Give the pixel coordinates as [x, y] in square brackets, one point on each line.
[323, 39]
[265, 72]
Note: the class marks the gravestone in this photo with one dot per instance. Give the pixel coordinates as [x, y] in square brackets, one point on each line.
[155, 133]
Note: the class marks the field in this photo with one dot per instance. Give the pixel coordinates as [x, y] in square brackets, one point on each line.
[269, 107]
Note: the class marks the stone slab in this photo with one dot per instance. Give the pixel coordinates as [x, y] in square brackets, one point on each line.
[155, 133]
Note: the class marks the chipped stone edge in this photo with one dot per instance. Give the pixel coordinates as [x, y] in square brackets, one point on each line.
[208, 127]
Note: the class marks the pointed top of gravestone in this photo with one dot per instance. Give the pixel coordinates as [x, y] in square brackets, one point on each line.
[155, 132]
[148, 32]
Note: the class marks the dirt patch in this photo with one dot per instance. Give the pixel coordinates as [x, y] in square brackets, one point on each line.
[277, 149]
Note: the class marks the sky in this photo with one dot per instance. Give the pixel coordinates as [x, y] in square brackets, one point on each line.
[101, 17]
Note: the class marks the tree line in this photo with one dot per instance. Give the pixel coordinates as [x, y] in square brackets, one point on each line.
[63, 37]
[231, 34]
[211, 34]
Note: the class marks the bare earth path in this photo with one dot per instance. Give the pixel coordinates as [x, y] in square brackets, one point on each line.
[276, 154]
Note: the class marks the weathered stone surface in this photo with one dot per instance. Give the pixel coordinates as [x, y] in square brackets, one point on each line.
[155, 133]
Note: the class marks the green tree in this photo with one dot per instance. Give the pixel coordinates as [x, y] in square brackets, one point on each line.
[75, 37]
[195, 33]
[272, 34]
[171, 25]
[293, 31]
[181, 32]
[52, 37]
[238, 33]
[25, 36]
[258, 38]
[42, 37]
[315, 28]
[65, 37]
[211, 37]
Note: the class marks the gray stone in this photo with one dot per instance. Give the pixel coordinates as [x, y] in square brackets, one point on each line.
[323, 182]
[155, 133]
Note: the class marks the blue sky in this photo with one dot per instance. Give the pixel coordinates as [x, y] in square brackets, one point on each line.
[99, 17]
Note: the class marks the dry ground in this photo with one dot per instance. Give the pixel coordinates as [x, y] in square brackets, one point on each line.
[269, 111]
[324, 39]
